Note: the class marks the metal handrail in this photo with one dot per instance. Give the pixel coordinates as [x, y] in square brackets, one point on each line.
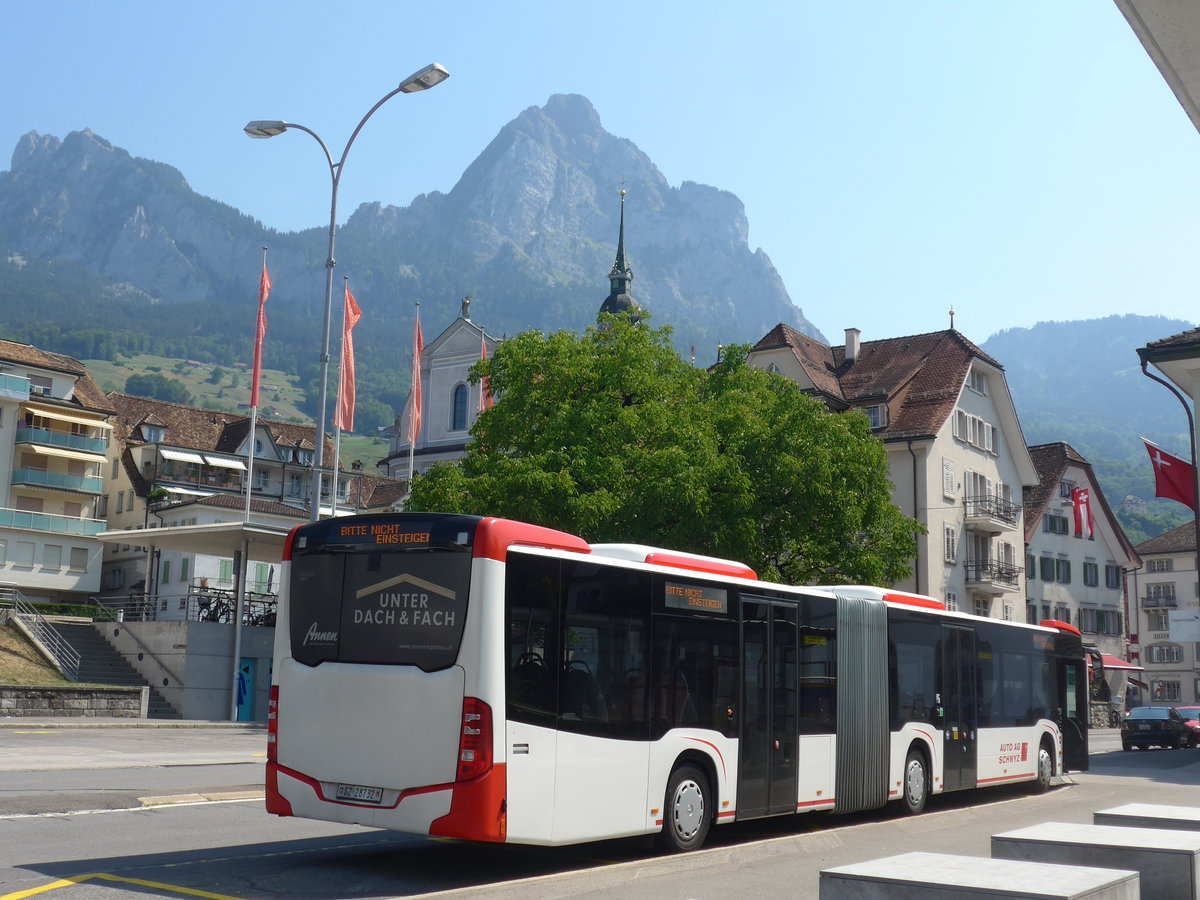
[64, 655]
[993, 506]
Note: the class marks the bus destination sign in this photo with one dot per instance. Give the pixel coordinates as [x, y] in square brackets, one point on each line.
[697, 598]
[384, 533]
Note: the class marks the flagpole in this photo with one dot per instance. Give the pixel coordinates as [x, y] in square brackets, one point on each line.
[264, 286]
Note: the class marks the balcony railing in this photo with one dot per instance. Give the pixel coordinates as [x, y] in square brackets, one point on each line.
[993, 571]
[27, 435]
[1151, 602]
[84, 484]
[35, 521]
[14, 386]
[987, 506]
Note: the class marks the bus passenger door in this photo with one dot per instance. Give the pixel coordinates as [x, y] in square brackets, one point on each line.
[1073, 701]
[767, 757]
[959, 703]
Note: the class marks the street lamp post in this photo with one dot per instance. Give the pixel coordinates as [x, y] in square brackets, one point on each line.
[428, 77]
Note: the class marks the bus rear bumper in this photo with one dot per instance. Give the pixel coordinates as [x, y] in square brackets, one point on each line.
[292, 793]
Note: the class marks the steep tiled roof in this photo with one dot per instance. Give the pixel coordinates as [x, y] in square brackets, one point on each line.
[87, 393]
[238, 501]
[1183, 339]
[918, 376]
[1051, 461]
[1177, 540]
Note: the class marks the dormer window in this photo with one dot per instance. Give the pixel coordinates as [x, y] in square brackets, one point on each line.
[154, 433]
[877, 415]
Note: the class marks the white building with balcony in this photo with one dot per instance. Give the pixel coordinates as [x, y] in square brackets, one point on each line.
[956, 455]
[1165, 584]
[54, 438]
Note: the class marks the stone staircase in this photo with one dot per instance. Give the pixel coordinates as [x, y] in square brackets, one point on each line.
[99, 663]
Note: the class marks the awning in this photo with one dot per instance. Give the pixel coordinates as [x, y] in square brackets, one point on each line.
[189, 492]
[226, 463]
[63, 417]
[182, 456]
[1140, 684]
[1115, 662]
[67, 454]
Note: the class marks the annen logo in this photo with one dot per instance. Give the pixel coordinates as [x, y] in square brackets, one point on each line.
[319, 637]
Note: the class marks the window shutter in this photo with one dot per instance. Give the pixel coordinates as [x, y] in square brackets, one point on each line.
[947, 477]
[949, 543]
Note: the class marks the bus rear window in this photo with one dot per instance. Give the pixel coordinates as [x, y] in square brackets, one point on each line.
[379, 606]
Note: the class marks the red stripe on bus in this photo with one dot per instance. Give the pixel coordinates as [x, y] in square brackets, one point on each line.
[1061, 626]
[1025, 777]
[287, 544]
[494, 536]
[716, 750]
[827, 802]
[913, 600]
[711, 566]
[726, 815]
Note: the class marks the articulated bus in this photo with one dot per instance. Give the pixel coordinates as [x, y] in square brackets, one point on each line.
[490, 680]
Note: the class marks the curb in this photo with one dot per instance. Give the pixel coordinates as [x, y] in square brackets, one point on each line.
[98, 722]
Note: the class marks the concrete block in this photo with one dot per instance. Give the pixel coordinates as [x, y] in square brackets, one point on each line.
[1148, 815]
[938, 876]
[1168, 861]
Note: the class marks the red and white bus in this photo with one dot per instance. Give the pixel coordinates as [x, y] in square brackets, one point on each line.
[489, 680]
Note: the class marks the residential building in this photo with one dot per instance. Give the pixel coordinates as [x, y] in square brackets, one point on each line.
[1165, 584]
[1077, 555]
[54, 438]
[956, 456]
[176, 465]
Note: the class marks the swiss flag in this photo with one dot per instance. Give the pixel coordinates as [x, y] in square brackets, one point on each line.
[1174, 478]
[1082, 498]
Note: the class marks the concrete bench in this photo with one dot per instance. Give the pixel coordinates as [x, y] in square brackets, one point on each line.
[937, 876]
[1168, 861]
[1147, 815]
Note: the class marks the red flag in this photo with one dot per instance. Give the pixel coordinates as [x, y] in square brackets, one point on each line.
[264, 288]
[485, 392]
[1082, 498]
[414, 400]
[343, 416]
[1174, 478]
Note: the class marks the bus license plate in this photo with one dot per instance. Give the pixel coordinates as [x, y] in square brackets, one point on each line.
[359, 792]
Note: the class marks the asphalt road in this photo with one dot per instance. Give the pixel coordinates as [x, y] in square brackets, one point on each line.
[228, 847]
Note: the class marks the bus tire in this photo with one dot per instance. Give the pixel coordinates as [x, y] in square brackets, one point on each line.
[1045, 769]
[916, 782]
[687, 810]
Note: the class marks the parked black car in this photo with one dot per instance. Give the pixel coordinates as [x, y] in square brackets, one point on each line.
[1145, 726]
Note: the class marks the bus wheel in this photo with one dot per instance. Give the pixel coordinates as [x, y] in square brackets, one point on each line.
[1045, 770]
[687, 812]
[916, 782]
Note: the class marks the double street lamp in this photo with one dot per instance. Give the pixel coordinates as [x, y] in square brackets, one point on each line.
[430, 76]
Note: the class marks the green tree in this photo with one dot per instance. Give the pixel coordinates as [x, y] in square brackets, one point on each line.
[216, 376]
[612, 436]
[158, 387]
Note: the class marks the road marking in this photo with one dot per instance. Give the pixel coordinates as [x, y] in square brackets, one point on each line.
[258, 795]
[104, 876]
[37, 732]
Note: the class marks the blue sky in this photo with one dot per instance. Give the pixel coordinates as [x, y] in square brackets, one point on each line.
[1020, 161]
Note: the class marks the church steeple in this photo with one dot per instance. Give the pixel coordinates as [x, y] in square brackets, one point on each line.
[619, 299]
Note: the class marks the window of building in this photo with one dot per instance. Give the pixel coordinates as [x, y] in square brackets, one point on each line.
[1065, 488]
[52, 557]
[1112, 576]
[1166, 690]
[949, 543]
[116, 466]
[1159, 565]
[153, 433]
[102, 506]
[166, 572]
[1047, 567]
[975, 431]
[23, 555]
[225, 572]
[1164, 653]
[983, 606]
[261, 478]
[1164, 591]
[79, 559]
[1062, 612]
[3, 551]
[977, 382]
[951, 601]
[1031, 614]
[1008, 612]
[40, 385]
[1087, 620]
[1062, 571]
[1158, 621]
[1030, 566]
[120, 501]
[1091, 574]
[183, 569]
[1055, 523]
[949, 478]
[876, 415]
[458, 408]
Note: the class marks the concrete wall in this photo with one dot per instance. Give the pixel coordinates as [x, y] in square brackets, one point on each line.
[191, 663]
[122, 703]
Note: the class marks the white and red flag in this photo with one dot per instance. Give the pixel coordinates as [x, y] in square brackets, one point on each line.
[1082, 498]
[414, 402]
[485, 392]
[1174, 478]
[264, 288]
[343, 415]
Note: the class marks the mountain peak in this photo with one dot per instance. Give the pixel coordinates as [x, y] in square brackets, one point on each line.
[573, 113]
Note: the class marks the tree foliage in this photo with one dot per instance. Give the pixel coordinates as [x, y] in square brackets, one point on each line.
[612, 436]
[158, 387]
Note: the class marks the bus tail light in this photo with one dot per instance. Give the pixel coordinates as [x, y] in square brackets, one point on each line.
[273, 725]
[475, 744]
